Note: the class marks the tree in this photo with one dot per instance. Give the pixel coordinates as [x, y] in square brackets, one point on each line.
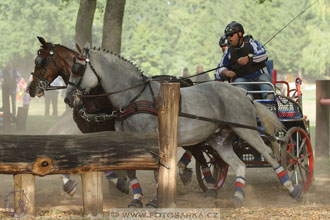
[84, 22]
[112, 25]
[315, 53]
[162, 37]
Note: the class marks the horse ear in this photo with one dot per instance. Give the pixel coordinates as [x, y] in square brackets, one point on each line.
[87, 46]
[78, 48]
[42, 41]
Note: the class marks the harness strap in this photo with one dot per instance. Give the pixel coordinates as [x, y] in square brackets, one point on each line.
[111, 93]
[141, 106]
[55, 87]
[232, 124]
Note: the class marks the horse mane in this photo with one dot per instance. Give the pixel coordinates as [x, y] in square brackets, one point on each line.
[105, 51]
[66, 48]
[47, 47]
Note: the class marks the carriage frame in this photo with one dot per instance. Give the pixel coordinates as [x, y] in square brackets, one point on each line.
[295, 153]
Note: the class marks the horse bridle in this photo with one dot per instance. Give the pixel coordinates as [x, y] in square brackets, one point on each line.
[43, 62]
[78, 69]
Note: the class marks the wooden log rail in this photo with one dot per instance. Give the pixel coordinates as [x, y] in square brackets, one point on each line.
[72, 154]
[25, 156]
[325, 102]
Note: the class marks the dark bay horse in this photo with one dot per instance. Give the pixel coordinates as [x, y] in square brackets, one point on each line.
[52, 61]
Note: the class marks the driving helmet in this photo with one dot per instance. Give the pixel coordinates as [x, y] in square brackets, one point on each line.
[223, 41]
[234, 27]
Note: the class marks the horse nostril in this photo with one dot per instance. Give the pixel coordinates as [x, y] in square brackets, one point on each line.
[66, 101]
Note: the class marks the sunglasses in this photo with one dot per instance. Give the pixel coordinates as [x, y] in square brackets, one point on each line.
[230, 35]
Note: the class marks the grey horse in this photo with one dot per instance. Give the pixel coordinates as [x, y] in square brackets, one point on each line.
[215, 100]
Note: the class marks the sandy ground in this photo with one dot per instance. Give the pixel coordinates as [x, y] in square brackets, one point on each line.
[264, 195]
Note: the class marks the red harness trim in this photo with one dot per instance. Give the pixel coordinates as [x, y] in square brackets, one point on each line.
[140, 106]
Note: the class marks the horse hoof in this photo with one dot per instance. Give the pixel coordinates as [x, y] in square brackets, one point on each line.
[152, 204]
[238, 203]
[186, 176]
[110, 175]
[297, 192]
[70, 187]
[210, 193]
[135, 203]
[123, 185]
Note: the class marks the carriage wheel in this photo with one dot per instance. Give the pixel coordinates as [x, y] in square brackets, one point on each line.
[218, 169]
[297, 157]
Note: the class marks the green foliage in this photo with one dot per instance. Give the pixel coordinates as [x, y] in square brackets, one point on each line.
[22, 21]
[163, 37]
[186, 33]
[262, 1]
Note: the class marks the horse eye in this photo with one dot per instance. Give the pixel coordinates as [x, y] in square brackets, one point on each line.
[78, 69]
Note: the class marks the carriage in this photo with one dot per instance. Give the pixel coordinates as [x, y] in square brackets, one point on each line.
[295, 153]
[138, 88]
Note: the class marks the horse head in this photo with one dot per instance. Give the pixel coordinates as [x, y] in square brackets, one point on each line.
[52, 60]
[82, 78]
[110, 71]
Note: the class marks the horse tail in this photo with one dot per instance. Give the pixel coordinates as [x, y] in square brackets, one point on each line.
[271, 123]
[268, 119]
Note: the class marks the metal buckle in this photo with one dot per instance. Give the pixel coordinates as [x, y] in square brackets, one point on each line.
[113, 114]
[99, 118]
[43, 84]
[83, 114]
[79, 93]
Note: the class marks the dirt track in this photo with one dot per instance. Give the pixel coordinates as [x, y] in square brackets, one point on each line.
[265, 197]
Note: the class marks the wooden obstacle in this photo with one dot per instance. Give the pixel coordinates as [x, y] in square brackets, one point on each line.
[322, 130]
[25, 156]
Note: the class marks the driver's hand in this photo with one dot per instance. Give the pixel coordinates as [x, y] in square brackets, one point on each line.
[243, 60]
[230, 74]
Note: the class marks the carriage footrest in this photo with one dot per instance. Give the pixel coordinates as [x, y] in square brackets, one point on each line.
[252, 160]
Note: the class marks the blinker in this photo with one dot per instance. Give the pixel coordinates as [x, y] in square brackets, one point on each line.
[78, 69]
[40, 61]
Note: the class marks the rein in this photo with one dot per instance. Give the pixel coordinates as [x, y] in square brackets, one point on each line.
[232, 124]
[202, 73]
[116, 92]
[143, 106]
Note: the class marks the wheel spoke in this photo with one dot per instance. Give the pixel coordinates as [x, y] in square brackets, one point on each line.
[300, 160]
[290, 165]
[297, 144]
[291, 155]
[302, 175]
[305, 168]
[302, 144]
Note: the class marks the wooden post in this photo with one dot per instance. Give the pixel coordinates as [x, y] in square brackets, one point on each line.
[168, 110]
[92, 193]
[24, 194]
[322, 119]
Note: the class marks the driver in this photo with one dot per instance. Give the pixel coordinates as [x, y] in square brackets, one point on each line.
[244, 60]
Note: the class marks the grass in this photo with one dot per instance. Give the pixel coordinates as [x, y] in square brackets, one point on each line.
[37, 122]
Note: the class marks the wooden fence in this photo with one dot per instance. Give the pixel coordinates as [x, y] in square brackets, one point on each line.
[322, 131]
[25, 156]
